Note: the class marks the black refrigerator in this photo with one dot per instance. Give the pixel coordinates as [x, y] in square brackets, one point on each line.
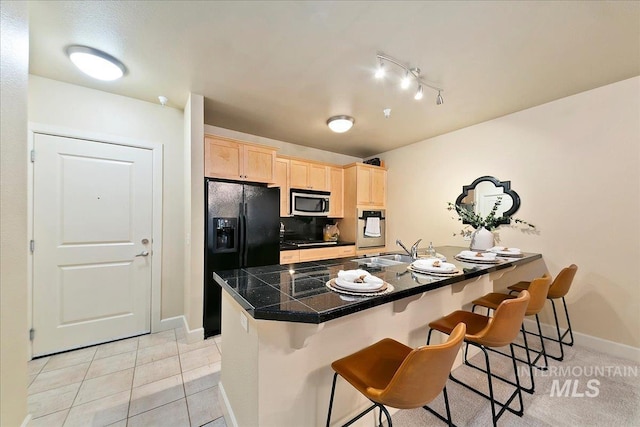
[242, 229]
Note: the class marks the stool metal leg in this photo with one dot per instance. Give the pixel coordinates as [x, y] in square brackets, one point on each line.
[503, 406]
[333, 390]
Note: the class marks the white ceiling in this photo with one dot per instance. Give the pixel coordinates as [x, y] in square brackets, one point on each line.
[280, 69]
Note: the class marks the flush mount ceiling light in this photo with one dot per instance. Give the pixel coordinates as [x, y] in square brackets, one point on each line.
[95, 63]
[340, 124]
[410, 74]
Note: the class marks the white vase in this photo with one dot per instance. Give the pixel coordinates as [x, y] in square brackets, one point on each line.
[481, 240]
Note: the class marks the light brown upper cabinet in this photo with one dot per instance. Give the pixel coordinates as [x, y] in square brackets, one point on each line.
[236, 160]
[282, 181]
[371, 185]
[336, 200]
[308, 175]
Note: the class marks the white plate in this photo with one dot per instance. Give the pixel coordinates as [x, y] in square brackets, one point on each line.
[358, 287]
[445, 267]
[478, 260]
[434, 273]
[387, 288]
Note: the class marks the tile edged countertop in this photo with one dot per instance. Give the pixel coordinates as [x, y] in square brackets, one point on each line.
[298, 293]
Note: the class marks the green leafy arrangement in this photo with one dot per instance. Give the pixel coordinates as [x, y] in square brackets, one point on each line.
[490, 222]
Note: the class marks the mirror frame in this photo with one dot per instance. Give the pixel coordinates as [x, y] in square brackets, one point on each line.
[506, 188]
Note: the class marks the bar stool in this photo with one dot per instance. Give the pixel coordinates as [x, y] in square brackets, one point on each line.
[484, 332]
[390, 373]
[538, 292]
[558, 289]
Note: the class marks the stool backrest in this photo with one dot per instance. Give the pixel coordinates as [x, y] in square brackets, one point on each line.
[423, 373]
[538, 290]
[562, 283]
[505, 324]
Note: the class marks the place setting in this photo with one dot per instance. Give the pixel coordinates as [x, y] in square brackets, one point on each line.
[479, 257]
[359, 283]
[507, 252]
[433, 267]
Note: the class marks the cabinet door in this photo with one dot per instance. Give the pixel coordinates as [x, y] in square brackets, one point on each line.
[363, 182]
[318, 177]
[282, 181]
[378, 187]
[259, 164]
[299, 174]
[222, 159]
[336, 187]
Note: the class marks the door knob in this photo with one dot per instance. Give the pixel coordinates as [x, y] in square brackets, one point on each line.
[143, 253]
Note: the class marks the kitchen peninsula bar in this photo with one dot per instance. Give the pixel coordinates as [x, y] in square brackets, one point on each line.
[282, 328]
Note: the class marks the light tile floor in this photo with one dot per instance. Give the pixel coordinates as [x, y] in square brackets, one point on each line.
[152, 380]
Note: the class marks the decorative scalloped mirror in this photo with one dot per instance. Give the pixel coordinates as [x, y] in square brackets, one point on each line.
[482, 194]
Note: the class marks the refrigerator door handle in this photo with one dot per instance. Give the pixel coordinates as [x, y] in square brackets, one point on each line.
[243, 238]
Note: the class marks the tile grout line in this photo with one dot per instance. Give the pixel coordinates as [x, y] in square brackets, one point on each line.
[184, 390]
[149, 410]
[81, 382]
[133, 377]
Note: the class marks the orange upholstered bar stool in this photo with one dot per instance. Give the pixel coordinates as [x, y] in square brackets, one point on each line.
[538, 290]
[485, 332]
[390, 373]
[558, 289]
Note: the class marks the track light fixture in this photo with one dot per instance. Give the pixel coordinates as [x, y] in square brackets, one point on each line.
[410, 74]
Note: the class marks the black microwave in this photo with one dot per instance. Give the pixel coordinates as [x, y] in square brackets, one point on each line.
[309, 203]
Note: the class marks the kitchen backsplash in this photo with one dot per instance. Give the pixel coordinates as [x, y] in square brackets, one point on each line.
[298, 227]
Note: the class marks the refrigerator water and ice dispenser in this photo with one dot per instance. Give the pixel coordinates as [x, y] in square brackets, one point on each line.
[226, 235]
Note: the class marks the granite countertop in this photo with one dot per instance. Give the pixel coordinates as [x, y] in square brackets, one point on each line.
[297, 292]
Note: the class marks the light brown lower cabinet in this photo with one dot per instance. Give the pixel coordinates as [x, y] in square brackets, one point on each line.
[315, 254]
[287, 257]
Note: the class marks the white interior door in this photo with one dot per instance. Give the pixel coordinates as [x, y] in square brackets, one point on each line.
[93, 251]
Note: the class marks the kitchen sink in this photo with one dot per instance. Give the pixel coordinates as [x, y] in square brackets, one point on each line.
[384, 260]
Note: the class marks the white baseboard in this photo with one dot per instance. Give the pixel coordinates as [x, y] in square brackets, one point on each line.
[229, 416]
[192, 335]
[170, 323]
[600, 345]
[26, 421]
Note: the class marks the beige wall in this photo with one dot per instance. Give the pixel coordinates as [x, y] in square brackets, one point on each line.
[285, 148]
[64, 105]
[575, 163]
[14, 69]
[194, 215]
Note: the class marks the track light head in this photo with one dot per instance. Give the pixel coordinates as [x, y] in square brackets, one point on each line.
[380, 71]
[419, 94]
[406, 80]
[439, 100]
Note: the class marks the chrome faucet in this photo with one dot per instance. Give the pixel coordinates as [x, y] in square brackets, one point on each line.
[413, 253]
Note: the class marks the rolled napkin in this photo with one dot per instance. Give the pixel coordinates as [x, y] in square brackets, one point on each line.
[433, 264]
[505, 249]
[477, 255]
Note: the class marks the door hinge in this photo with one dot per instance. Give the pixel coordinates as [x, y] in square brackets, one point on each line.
[33, 156]
[32, 333]
[32, 245]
